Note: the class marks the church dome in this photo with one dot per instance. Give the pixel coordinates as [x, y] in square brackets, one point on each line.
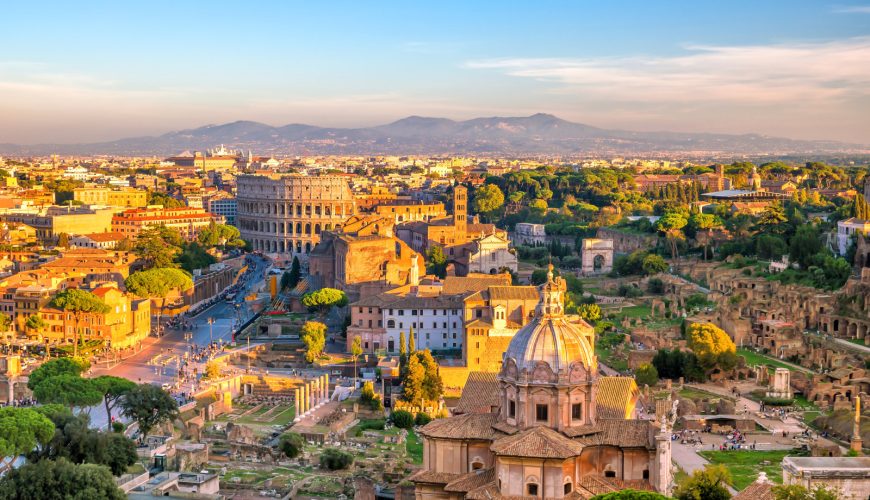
[550, 337]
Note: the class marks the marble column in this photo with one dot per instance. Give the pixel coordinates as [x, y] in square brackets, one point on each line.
[315, 393]
[296, 400]
[326, 386]
[307, 396]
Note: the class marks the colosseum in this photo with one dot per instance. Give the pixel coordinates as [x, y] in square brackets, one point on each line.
[286, 213]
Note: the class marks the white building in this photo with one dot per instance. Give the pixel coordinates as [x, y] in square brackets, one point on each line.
[846, 229]
[490, 254]
[437, 322]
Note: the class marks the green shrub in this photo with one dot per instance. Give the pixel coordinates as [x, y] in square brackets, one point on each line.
[335, 459]
[402, 419]
[422, 419]
[777, 401]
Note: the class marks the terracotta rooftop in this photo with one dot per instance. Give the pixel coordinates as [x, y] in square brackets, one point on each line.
[615, 397]
[760, 489]
[537, 442]
[470, 426]
[471, 480]
[513, 293]
[622, 433]
[427, 476]
[479, 395]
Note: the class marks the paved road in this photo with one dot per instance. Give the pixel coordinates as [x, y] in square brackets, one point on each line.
[172, 345]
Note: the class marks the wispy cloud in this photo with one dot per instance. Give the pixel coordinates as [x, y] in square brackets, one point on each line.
[853, 9]
[759, 74]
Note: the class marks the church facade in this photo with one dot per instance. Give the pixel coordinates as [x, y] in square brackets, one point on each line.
[554, 428]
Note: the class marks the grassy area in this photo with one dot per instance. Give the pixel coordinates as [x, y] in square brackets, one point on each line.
[744, 465]
[634, 312]
[857, 341]
[367, 424]
[756, 358]
[414, 447]
[692, 393]
[605, 355]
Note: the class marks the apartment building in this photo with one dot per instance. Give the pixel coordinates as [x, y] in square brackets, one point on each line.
[188, 221]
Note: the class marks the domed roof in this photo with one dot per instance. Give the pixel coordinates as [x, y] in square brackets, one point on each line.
[549, 337]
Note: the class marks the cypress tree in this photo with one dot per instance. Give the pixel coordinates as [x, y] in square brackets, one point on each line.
[412, 342]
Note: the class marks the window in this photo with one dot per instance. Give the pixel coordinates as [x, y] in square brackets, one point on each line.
[532, 489]
[568, 488]
[646, 474]
[541, 412]
[401, 312]
[610, 473]
[413, 312]
[390, 323]
[512, 408]
[577, 411]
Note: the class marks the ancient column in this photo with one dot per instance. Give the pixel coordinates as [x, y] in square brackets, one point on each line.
[315, 391]
[324, 390]
[856, 444]
[296, 402]
[326, 386]
[307, 396]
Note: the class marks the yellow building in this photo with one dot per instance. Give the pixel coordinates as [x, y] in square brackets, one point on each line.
[126, 197]
[127, 323]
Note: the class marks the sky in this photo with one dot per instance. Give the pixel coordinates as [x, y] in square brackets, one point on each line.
[92, 71]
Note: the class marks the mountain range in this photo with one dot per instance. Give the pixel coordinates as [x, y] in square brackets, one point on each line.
[536, 134]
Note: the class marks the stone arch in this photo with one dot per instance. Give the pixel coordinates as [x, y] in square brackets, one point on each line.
[598, 263]
[298, 228]
[307, 248]
[477, 463]
[308, 228]
[567, 485]
[317, 229]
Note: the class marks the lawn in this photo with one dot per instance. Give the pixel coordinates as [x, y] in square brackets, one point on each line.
[692, 393]
[634, 312]
[756, 358]
[414, 447]
[744, 465]
[857, 341]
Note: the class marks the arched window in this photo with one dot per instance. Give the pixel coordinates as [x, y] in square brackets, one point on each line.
[308, 229]
[391, 323]
[317, 229]
[476, 463]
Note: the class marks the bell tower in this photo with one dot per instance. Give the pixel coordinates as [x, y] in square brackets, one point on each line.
[460, 212]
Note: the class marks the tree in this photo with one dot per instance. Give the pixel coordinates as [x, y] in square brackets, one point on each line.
[314, 336]
[653, 264]
[860, 207]
[158, 283]
[212, 370]
[292, 276]
[630, 495]
[21, 430]
[324, 299]
[436, 261]
[77, 442]
[671, 225]
[422, 381]
[55, 367]
[772, 218]
[149, 406]
[78, 302]
[220, 235]
[805, 244]
[335, 459]
[68, 390]
[704, 223]
[60, 480]
[646, 374]
[402, 419]
[798, 492]
[291, 443]
[488, 198]
[356, 351]
[158, 247]
[113, 389]
[412, 342]
[412, 384]
[707, 484]
[63, 240]
[589, 312]
[369, 397]
[710, 343]
[35, 325]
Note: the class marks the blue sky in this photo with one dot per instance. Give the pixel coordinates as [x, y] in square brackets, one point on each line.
[86, 71]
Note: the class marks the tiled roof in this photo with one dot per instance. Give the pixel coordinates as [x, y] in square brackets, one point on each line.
[476, 426]
[621, 433]
[616, 397]
[479, 395]
[473, 283]
[758, 490]
[427, 476]
[590, 485]
[472, 480]
[537, 442]
[513, 293]
[485, 492]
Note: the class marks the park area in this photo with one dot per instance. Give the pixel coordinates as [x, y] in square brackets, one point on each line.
[745, 465]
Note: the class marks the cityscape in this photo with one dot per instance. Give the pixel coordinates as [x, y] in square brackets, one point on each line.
[435, 252]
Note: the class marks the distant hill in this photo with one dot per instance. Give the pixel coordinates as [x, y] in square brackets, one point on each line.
[536, 134]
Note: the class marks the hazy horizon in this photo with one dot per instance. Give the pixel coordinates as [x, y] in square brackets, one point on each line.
[79, 73]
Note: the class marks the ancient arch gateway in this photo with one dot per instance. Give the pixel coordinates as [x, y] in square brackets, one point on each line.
[597, 256]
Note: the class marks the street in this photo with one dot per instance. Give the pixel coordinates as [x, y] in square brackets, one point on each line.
[173, 344]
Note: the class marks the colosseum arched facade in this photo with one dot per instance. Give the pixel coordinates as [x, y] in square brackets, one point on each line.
[287, 213]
